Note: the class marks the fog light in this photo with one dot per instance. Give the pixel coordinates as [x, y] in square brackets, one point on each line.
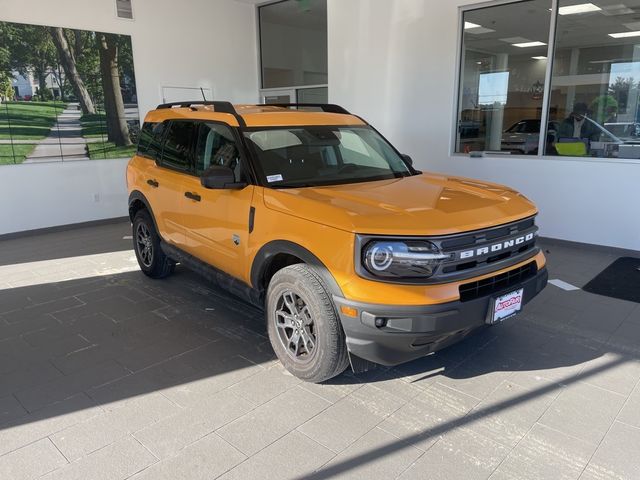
[381, 322]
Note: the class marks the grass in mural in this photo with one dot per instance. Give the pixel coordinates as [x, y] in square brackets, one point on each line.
[103, 150]
[20, 151]
[28, 120]
[94, 125]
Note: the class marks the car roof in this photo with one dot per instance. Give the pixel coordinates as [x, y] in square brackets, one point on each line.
[254, 115]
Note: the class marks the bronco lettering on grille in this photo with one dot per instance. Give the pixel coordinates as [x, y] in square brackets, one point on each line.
[497, 247]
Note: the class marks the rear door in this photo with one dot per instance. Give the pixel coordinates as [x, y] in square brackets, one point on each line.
[170, 177]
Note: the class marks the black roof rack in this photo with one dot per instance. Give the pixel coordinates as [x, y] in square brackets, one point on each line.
[220, 107]
[325, 107]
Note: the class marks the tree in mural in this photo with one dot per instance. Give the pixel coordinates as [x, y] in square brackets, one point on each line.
[68, 62]
[117, 129]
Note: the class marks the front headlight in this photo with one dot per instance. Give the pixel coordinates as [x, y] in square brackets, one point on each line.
[402, 259]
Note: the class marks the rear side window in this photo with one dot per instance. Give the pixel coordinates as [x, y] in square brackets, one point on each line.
[177, 151]
[150, 140]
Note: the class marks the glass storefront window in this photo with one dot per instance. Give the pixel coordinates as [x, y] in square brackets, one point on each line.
[584, 100]
[502, 78]
[293, 43]
[595, 87]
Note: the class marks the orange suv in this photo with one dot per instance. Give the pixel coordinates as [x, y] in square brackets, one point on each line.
[307, 211]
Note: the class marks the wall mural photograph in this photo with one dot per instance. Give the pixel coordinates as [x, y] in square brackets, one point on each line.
[66, 95]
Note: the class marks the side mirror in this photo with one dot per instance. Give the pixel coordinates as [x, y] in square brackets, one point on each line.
[218, 177]
[408, 160]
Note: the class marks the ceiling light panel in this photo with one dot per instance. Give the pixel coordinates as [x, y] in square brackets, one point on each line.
[625, 34]
[529, 44]
[576, 9]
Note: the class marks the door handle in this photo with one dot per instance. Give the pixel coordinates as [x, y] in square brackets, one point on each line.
[153, 183]
[193, 196]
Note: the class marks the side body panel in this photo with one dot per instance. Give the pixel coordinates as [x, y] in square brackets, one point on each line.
[217, 227]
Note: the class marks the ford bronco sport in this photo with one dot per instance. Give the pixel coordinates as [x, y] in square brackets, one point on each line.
[307, 211]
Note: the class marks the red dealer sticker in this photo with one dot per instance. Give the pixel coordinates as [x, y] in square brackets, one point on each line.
[506, 306]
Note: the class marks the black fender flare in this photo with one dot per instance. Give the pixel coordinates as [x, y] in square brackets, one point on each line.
[137, 195]
[269, 250]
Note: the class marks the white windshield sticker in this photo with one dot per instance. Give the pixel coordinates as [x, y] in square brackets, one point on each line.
[274, 178]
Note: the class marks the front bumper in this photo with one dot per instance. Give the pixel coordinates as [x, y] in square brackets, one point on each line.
[410, 332]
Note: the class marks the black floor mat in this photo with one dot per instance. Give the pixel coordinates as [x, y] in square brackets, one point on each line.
[620, 280]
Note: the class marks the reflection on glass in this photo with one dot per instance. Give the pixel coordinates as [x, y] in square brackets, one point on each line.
[595, 81]
[293, 43]
[313, 95]
[502, 78]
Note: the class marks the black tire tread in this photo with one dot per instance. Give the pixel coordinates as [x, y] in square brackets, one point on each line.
[337, 358]
[162, 265]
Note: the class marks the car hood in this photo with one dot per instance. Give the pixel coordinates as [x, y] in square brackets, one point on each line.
[423, 204]
[515, 137]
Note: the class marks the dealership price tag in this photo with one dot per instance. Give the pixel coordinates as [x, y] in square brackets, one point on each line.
[506, 306]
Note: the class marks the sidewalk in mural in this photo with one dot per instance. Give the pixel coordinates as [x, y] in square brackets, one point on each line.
[65, 141]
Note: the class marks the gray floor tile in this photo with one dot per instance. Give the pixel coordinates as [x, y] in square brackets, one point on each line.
[204, 459]
[546, 453]
[613, 371]
[38, 425]
[117, 461]
[272, 420]
[293, 456]
[67, 386]
[583, 411]
[630, 413]
[31, 461]
[169, 435]
[347, 420]
[461, 454]
[10, 409]
[84, 438]
[265, 385]
[377, 455]
[617, 456]
[434, 412]
[509, 413]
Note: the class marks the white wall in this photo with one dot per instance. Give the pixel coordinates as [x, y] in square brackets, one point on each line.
[394, 62]
[209, 43]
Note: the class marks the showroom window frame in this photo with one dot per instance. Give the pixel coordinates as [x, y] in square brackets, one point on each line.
[262, 90]
[546, 99]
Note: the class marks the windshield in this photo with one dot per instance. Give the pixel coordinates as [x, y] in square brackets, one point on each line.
[322, 155]
[622, 129]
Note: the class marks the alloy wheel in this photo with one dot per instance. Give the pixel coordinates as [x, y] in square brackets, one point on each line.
[295, 327]
[144, 244]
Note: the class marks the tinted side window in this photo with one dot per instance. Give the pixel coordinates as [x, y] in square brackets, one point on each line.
[150, 140]
[216, 146]
[176, 152]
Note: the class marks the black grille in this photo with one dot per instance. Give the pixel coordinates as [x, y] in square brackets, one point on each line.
[491, 285]
[488, 235]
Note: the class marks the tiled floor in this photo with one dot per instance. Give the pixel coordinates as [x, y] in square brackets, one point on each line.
[105, 374]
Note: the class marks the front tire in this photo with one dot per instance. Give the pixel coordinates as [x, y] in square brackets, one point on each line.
[303, 326]
[146, 243]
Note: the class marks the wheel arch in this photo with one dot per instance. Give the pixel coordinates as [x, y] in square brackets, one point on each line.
[276, 251]
[137, 202]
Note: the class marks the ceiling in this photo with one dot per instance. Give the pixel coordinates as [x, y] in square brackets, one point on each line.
[529, 21]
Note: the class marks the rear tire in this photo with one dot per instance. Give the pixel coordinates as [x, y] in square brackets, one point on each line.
[146, 243]
[303, 326]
